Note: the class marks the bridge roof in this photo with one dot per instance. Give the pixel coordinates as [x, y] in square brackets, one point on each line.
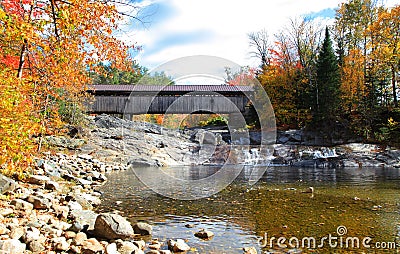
[170, 88]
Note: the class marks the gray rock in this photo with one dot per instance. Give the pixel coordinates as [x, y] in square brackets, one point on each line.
[155, 246]
[20, 204]
[51, 169]
[204, 234]
[79, 239]
[249, 250]
[69, 235]
[17, 232]
[93, 200]
[37, 179]
[125, 247]
[13, 246]
[36, 246]
[64, 142]
[6, 211]
[74, 249]
[83, 182]
[4, 230]
[178, 246]
[112, 249]
[92, 246]
[143, 228]
[61, 211]
[86, 218]
[112, 226]
[39, 202]
[76, 227]
[164, 251]
[61, 244]
[31, 233]
[51, 185]
[140, 244]
[74, 206]
[7, 185]
[153, 252]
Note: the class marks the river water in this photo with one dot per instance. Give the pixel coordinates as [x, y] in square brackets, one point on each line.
[346, 203]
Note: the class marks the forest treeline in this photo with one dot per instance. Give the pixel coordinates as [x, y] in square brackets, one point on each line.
[51, 50]
[341, 78]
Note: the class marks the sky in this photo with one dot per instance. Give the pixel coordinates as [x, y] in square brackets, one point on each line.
[170, 29]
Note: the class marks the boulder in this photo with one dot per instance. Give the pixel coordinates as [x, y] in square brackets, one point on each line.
[36, 246]
[112, 249]
[31, 233]
[39, 202]
[125, 247]
[143, 228]
[249, 250]
[7, 184]
[20, 204]
[79, 238]
[178, 246]
[86, 218]
[204, 234]
[112, 226]
[51, 185]
[92, 246]
[37, 179]
[12, 246]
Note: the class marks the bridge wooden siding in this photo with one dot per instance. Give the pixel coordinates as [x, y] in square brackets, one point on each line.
[173, 99]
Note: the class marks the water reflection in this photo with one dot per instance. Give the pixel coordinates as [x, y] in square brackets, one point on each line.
[366, 201]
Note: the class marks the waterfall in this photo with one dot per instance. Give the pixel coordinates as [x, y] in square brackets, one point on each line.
[325, 153]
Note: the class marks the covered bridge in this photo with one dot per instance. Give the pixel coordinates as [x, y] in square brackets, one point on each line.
[172, 99]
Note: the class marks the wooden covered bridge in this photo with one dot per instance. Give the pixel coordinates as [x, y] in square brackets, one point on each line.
[172, 99]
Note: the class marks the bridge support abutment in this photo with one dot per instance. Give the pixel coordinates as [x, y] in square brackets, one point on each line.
[236, 120]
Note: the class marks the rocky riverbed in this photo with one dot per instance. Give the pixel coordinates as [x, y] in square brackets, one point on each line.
[143, 144]
[51, 211]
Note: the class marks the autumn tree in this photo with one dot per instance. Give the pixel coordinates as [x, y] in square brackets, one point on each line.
[386, 54]
[260, 45]
[328, 82]
[46, 50]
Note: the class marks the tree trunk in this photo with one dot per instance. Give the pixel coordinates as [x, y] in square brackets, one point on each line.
[21, 60]
[394, 87]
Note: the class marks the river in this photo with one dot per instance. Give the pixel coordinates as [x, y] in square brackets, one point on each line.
[346, 204]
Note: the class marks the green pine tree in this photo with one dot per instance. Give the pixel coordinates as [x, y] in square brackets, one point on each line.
[327, 94]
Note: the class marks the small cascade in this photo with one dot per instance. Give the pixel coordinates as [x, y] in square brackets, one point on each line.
[325, 153]
[253, 156]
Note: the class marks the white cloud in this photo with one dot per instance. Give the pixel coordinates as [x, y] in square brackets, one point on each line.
[223, 24]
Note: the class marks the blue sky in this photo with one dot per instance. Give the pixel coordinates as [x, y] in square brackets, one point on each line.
[178, 28]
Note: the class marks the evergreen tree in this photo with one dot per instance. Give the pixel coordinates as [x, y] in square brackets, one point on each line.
[327, 94]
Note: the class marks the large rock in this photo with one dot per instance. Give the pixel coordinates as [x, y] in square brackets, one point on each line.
[20, 204]
[37, 179]
[143, 228]
[178, 246]
[86, 218]
[13, 246]
[249, 250]
[112, 226]
[92, 246]
[7, 184]
[204, 234]
[39, 202]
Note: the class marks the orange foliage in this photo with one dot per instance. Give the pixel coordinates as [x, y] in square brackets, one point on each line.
[47, 48]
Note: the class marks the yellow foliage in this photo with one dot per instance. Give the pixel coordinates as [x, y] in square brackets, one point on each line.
[46, 50]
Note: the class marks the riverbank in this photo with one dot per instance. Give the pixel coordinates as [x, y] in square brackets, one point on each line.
[51, 211]
[116, 140]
